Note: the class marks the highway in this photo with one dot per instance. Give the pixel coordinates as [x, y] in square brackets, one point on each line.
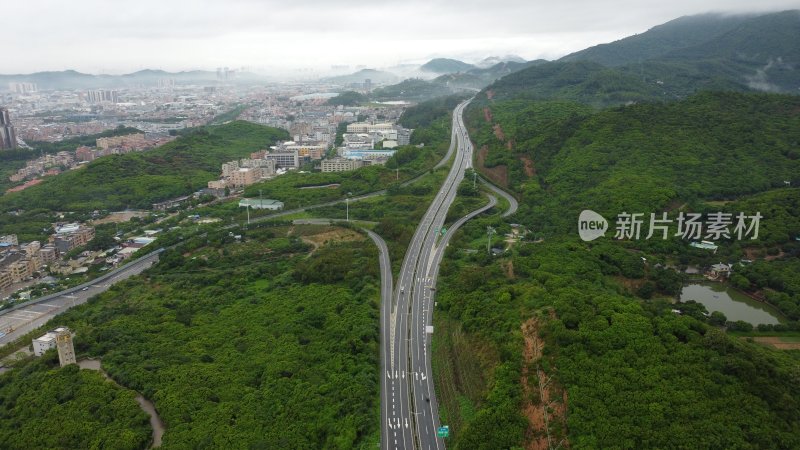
[512, 202]
[18, 321]
[410, 412]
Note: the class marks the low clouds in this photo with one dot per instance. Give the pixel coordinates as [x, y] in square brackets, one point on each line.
[115, 36]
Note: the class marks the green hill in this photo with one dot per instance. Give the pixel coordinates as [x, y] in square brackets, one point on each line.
[707, 52]
[445, 65]
[581, 81]
[137, 180]
[645, 156]
[349, 98]
[411, 89]
[376, 76]
[587, 333]
[660, 40]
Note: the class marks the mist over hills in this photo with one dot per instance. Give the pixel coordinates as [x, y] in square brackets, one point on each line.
[376, 76]
[674, 60]
[445, 65]
[71, 79]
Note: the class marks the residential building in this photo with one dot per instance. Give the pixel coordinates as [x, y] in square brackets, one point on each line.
[287, 159]
[17, 266]
[267, 164]
[720, 270]
[48, 254]
[22, 88]
[130, 140]
[312, 151]
[84, 153]
[102, 96]
[70, 236]
[229, 168]
[247, 176]
[363, 127]
[5, 280]
[403, 136]
[44, 343]
[258, 155]
[243, 173]
[340, 165]
[10, 239]
[8, 137]
[217, 184]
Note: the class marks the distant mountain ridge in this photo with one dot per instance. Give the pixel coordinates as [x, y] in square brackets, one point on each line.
[375, 76]
[445, 65]
[71, 79]
[660, 40]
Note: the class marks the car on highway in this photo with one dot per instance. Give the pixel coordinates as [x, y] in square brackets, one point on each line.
[85, 289]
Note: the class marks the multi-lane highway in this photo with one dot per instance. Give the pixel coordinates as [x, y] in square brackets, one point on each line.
[409, 410]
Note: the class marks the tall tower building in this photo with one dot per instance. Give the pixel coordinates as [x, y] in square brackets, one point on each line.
[66, 352]
[8, 138]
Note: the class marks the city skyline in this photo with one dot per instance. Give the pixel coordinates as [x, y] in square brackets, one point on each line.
[97, 37]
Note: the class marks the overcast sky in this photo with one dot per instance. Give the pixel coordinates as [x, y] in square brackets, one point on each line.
[112, 36]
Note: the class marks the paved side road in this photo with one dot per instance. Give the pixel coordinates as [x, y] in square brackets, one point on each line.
[18, 322]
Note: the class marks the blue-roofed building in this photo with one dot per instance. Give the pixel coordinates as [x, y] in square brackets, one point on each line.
[368, 154]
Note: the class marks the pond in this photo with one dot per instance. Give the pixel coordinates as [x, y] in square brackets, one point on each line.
[734, 304]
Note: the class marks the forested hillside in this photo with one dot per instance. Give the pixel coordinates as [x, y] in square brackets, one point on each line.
[44, 406]
[271, 342]
[555, 341]
[660, 40]
[645, 157]
[671, 61]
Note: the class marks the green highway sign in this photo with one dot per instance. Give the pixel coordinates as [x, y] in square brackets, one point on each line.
[444, 230]
[443, 432]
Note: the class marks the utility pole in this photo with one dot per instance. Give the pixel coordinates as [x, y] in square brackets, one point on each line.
[489, 232]
[248, 214]
[474, 178]
[347, 202]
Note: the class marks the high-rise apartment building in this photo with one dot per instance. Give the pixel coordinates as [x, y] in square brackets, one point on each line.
[101, 95]
[22, 88]
[8, 137]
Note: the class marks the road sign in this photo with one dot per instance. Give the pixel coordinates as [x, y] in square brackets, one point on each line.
[443, 432]
[444, 230]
